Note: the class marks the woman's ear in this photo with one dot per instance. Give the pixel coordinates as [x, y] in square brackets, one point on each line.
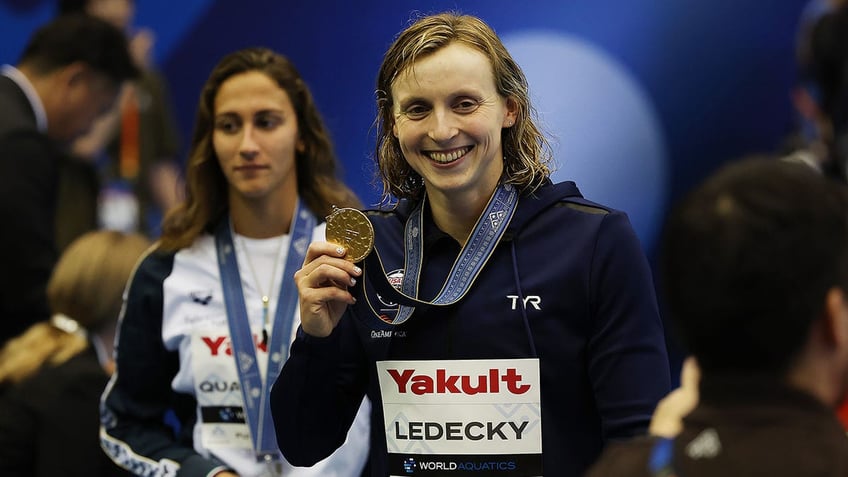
[511, 112]
[836, 317]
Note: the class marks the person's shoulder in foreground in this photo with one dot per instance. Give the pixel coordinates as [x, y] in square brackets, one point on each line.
[770, 341]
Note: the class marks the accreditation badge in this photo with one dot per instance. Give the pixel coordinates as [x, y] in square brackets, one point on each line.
[462, 417]
[224, 423]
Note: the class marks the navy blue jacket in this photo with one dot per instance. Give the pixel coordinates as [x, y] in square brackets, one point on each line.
[597, 332]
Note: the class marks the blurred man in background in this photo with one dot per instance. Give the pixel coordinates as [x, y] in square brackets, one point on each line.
[126, 174]
[70, 73]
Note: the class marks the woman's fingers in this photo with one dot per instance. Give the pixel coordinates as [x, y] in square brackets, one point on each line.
[322, 286]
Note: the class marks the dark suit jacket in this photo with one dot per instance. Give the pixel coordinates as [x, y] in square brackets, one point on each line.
[50, 422]
[28, 181]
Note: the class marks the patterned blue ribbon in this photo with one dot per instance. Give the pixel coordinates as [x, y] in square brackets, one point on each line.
[477, 250]
[254, 387]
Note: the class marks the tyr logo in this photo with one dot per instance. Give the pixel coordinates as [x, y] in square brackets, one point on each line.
[533, 300]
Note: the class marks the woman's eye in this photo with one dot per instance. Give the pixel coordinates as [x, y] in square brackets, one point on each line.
[267, 122]
[416, 111]
[466, 106]
[226, 126]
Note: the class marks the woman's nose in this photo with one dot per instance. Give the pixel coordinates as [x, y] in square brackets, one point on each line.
[249, 155]
[442, 126]
[248, 148]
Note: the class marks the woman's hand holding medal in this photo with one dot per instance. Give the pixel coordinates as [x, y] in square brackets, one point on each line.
[329, 269]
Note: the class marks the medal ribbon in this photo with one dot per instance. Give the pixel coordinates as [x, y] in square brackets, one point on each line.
[485, 236]
[253, 385]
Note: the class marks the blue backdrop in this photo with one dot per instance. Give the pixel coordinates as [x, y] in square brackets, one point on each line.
[642, 97]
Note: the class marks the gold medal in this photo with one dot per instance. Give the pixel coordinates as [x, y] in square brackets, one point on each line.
[351, 229]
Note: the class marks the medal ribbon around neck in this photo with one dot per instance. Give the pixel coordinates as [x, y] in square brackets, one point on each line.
[477, 250]
[253, 385]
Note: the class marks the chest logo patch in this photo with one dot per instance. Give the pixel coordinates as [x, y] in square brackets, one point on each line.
[202, 297]
[395, 279]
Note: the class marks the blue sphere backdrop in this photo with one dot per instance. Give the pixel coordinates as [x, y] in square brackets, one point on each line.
[605, 132]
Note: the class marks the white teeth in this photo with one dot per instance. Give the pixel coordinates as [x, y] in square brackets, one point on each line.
[446, 157]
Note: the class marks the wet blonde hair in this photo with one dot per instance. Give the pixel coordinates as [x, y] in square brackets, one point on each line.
[526, 151]
[86, 285]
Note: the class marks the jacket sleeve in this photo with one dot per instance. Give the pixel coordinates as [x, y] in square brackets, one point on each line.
[18, 434]
[27, 247]
[133, 430]
[626, 459]
[627, 358]
[318, 393]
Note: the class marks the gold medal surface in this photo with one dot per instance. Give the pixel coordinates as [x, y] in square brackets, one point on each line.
[351, 229]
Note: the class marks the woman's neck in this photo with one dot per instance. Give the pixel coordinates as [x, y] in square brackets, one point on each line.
[262, 218]
[104, 345]
[456, 215]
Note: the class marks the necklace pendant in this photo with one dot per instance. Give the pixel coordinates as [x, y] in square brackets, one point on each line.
[265, 301]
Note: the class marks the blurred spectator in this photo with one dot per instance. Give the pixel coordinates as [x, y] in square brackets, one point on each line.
[755, 268]
[52, 375]
[133, 148]
[69, 74]
[822, 99]
[821, 96]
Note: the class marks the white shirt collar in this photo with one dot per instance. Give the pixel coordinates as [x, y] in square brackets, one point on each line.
[21, 80]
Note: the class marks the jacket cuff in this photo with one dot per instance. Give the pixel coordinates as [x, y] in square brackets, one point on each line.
[199, 466]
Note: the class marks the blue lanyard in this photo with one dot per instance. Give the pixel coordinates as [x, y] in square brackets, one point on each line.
[254, 388]
[485, 236]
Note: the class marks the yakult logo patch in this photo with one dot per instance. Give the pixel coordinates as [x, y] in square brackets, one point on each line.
[462, 416]
[444, 383]
[218, 345]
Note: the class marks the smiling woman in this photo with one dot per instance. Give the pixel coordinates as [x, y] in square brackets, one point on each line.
[498, 306]
[260, 175]
[448, 121]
